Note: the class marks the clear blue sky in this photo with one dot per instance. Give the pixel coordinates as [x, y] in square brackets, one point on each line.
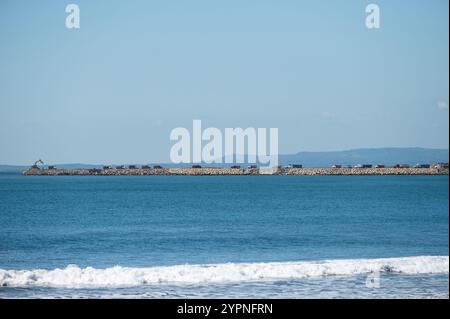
[112, 91]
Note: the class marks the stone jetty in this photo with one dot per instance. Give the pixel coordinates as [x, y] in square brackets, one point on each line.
[237, 171]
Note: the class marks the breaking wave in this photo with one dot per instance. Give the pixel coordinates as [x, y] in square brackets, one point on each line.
[75, 277]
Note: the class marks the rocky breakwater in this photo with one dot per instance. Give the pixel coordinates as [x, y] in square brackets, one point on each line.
[204, 171]
[362, 171]
[144, 171]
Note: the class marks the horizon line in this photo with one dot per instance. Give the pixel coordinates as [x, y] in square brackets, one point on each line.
[286, 154]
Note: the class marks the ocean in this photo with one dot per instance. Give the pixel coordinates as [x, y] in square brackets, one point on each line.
[224, 236]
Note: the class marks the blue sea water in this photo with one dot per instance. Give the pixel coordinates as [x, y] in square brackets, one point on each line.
[156, 236]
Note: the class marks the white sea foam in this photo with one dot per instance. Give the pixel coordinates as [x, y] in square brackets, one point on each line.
[75, 277]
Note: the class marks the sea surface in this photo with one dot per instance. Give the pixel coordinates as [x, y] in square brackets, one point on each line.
[224, 236]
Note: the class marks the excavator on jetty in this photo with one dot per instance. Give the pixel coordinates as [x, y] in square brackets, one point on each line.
[35, 165]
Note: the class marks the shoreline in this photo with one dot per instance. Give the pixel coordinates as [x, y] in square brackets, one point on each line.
[205, 171]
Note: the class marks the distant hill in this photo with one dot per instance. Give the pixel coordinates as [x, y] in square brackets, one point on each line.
[386, 156]
[11, 168]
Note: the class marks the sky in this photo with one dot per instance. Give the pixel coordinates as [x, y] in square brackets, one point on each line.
[112, 90]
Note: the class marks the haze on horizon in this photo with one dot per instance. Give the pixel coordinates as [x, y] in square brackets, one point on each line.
[112, 91]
